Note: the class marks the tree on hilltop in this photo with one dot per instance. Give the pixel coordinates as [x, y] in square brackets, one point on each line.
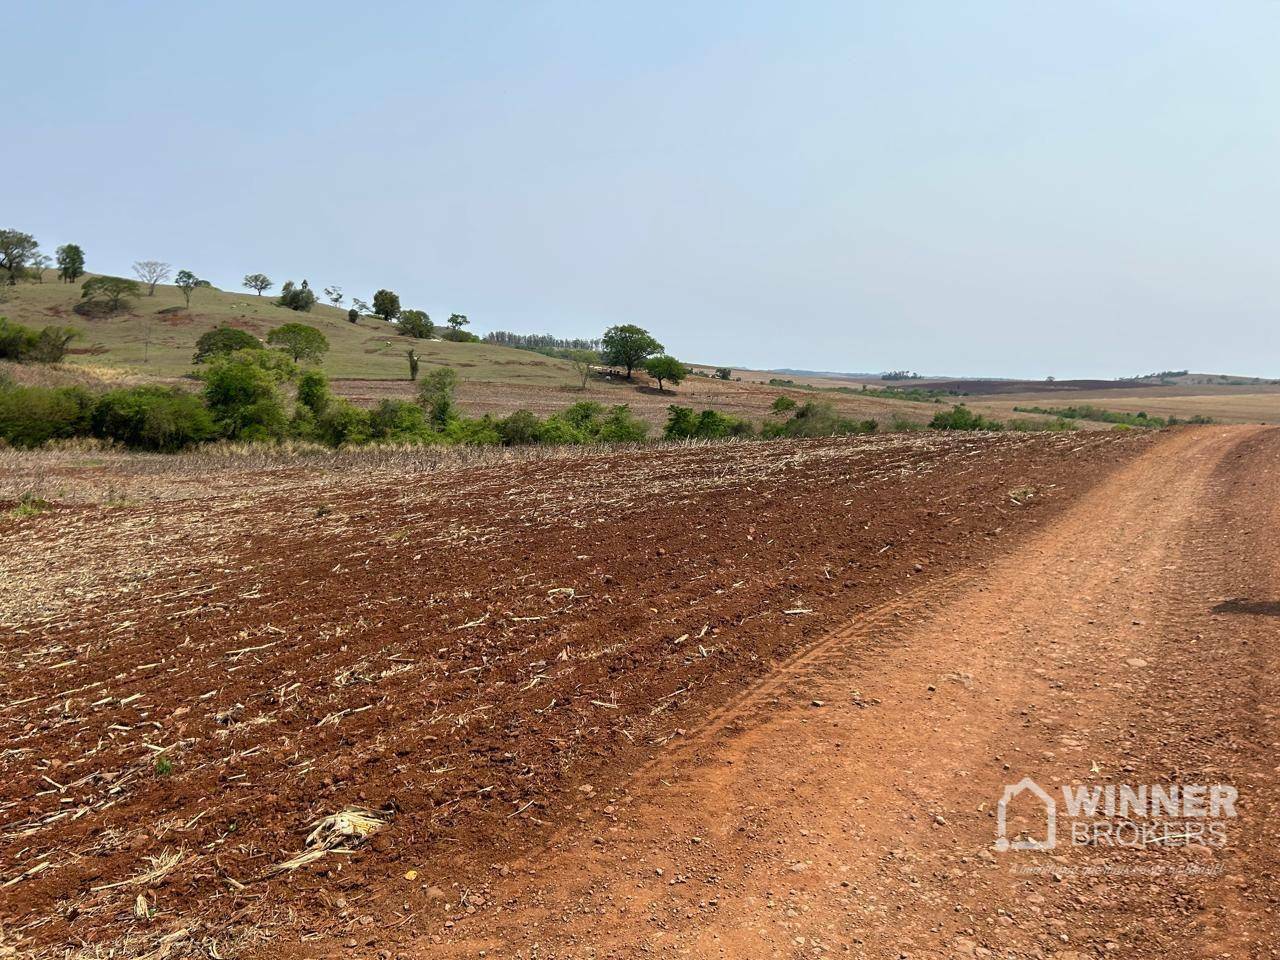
[258, 282]
[16, 248]
[188, 283]
[70, 262]
[628, 346]
[113, 293]
[151, 272]
[386, 305]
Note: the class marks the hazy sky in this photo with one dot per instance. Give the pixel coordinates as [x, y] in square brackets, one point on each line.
[1007, 188]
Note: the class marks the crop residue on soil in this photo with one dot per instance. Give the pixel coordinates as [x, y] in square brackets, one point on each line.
[197, 680]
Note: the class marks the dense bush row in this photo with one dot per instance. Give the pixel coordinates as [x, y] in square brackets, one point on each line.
[1088, 412]
[246, 397]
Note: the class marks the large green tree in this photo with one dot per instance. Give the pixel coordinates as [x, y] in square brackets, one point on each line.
[415, 323]
[70, 262]
[628, 346]
[300, 341]
[665, 368]
[386, 305]
[16, 248]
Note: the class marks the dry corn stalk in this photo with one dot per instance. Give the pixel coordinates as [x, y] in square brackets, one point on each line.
[339, 832]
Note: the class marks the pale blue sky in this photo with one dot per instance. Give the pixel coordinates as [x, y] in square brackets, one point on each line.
[1005, 188]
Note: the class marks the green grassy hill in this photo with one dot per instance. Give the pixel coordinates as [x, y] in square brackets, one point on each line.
[156, 336]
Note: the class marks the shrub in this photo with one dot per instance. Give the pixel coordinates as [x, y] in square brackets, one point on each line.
[30, 416]
[343, 423]
[473, 433]
[15, 340]
[682, 424]
[313, 392]
[521, 427]
[582, 415]
[560, 432]
[961, 417]
[51, 344]
[783, 404]
[901, 424]
[24, 345]
[153, 418]
[459, 336]
[713, 425]
[435, 395]
[221, 341]
[817, 419]
[302, 425]
[398, 421]
[1088, 412]
[243, 398]
[620, 425]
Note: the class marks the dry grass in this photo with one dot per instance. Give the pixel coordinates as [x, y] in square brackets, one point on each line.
[157, 336]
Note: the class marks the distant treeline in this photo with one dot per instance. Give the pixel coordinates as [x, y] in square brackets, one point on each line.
[1159, 375]
[540, 342]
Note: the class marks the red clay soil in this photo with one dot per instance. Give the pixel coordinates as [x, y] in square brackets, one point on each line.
[845, 803]
[479, 655]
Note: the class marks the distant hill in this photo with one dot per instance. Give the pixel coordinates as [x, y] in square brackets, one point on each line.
[156, 335]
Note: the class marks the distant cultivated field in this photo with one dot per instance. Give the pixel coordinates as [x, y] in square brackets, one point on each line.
[1248, 404]
[750, 400]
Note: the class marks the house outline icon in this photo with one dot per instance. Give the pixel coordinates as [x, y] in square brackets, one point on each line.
[1012, 791]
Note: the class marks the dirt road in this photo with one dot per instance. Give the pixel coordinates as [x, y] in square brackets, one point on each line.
[743, 700]
[845, 805]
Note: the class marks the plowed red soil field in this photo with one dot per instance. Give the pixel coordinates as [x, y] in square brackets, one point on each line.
[586, 698]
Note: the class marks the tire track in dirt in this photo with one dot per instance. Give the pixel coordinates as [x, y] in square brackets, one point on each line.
[277, 637]
[845, 803]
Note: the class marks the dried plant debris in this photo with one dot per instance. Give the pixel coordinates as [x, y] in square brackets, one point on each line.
[463, 634]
